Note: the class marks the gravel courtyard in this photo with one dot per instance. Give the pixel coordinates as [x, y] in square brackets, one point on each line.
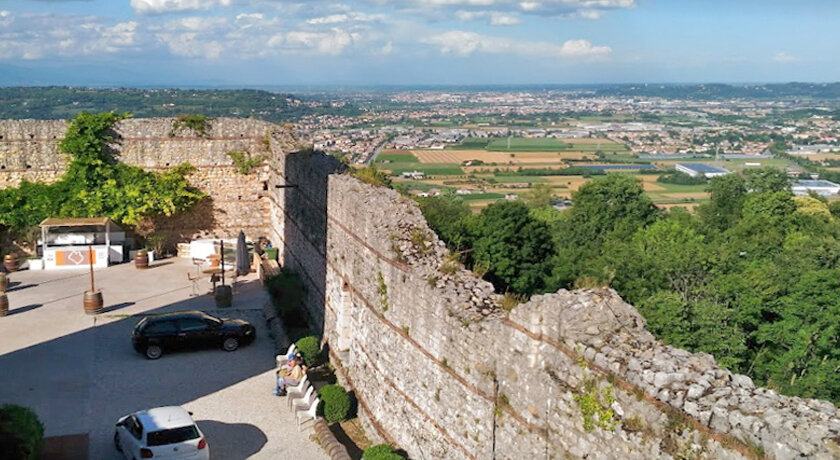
[80, 373]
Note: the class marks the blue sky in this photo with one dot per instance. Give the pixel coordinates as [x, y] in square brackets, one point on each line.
[369, 42]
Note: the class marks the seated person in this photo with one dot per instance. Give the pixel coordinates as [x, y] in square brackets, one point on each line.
[293, 376]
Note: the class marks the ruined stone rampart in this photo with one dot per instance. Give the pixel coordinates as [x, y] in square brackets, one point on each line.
[437, 367]
[441, 371]
[29, 149]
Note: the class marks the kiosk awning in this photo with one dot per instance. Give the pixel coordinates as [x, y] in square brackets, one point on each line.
[75, 222]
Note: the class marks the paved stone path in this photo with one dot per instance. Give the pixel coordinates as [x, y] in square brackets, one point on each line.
[80, 373]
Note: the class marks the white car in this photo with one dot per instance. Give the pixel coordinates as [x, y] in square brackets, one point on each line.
[163, 432]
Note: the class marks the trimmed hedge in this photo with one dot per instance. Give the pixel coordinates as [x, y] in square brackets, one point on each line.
[310, 348]
[381, 452]
[21, 433]
[335, 403]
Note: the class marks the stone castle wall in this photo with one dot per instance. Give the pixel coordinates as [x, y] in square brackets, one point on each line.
[29, 149]
[440, 370]
[437, 366]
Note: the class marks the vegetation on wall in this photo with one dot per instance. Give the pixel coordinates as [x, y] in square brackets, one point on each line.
[95, 185]
[198, 124]
[752, 277]
[244, 161]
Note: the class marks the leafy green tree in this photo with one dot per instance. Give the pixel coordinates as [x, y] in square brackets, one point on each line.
[514, 246]
[539, 196]
[801, 351]
[727, 195]
[448, 216]
[614, 206]
[767, 179]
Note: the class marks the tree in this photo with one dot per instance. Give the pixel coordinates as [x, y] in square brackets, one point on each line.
[447, 215]
[803, 348]
[514, 246]
[540, 196]
[614, 206]
[767, 179]
[727, 195]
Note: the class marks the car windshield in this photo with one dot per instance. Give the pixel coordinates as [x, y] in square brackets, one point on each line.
[172, 436]
[213, 319]
[140, 325]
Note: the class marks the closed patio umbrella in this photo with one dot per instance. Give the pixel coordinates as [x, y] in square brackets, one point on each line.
[243, 263]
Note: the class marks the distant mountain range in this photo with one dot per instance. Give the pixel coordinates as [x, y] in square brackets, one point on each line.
[48, 103]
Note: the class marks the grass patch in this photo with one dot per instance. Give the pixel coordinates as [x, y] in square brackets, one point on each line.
[524, 144]
[405, 157]
[430, 169]
[482, 196]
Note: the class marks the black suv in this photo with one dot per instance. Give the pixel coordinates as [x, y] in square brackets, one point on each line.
[189, 329]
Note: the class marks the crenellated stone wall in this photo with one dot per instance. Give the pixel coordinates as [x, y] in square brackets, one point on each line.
[440, 370]
[29, 149]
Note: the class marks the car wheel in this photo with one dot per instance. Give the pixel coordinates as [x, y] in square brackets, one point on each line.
[154, 351]
[117, 441]
[230, 344]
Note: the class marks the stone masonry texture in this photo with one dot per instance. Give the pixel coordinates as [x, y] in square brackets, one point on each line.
[438, 368]
[29, 150]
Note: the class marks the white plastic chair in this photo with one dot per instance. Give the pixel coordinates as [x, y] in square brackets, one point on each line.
[304, 415]
[282, 360]
[298, 390]
[304, 400]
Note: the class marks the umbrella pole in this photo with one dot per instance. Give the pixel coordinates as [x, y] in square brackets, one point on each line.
[223, 261]
[90, 260]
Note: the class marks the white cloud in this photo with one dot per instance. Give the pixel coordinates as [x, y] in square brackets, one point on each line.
[783, 57]
[35, 36]
[167, 6]
[495, 18]
[465, 43]
[345, 17]
[583, 48]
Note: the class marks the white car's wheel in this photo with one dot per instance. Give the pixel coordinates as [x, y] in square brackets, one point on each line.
[230, 344]
[154, 351]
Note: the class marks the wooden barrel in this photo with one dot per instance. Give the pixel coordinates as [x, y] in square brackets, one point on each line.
[4, 282]
[4, 304]
[10, 262]
[93, 302]
[224, 296]
[141, 259]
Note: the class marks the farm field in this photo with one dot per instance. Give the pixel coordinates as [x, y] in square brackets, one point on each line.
[500, 169]
[502, 158]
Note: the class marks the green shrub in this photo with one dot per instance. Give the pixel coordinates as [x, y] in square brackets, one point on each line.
[335, 403]
[21, 433]
[310, 348]
[381, 452]
[286, 291]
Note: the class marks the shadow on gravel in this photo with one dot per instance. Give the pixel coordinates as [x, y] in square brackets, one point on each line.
[16, 311]
[232, 441]
[97, 374]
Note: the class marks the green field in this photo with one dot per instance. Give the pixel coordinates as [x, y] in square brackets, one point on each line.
[470, 143]
[397, 158]
[430, 169]
[482, 196]
[524, 144]
[503, 179]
